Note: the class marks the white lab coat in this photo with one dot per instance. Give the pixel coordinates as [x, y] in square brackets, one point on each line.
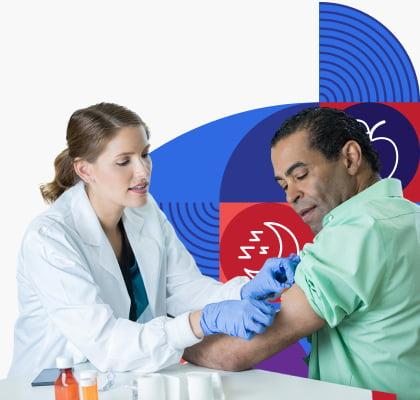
[73, 300]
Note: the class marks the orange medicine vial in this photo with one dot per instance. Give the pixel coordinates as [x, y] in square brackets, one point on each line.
[89, 383]
[65, 386]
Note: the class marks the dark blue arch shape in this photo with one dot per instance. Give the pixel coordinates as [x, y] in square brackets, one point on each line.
[396, 81]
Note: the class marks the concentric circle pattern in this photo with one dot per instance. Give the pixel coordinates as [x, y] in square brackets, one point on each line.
[197, 225]
[361, 60]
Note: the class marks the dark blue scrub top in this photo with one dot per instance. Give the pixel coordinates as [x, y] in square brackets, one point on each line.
[132, 278]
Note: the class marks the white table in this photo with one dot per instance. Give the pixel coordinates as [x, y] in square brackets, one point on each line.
[252, 384]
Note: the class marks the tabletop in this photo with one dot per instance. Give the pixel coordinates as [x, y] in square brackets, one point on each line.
[246, 385]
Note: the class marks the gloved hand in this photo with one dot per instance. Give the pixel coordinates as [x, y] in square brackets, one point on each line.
[276, 275]
[243, 318]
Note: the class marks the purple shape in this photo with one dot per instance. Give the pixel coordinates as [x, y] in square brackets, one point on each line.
[250, 162]
[288, 361]
[396, 128]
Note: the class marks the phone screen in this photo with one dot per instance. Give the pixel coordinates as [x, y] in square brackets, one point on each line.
[46, 377]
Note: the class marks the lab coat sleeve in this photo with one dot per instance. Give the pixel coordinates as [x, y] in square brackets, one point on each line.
[187, 289]
[67, 291]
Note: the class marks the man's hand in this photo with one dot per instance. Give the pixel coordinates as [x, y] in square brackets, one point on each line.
[276, 275]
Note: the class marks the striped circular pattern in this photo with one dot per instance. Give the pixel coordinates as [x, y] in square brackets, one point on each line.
[360, 60]
[197, 225]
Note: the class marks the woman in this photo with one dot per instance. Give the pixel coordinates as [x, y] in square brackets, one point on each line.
[100, 270]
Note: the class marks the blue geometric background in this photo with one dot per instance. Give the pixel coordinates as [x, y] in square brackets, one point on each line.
[197, 226]
[360, 60]
[228, 160]
[187, 176]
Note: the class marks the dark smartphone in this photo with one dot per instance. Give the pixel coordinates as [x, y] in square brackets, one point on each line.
[46, 377]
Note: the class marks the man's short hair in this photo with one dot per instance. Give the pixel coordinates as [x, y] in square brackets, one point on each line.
[330, 129]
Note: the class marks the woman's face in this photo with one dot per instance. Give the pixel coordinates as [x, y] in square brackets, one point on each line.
[121, 174]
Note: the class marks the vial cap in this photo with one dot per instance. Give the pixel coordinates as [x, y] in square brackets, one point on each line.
[64, 362]
[86, 382]
[88, 374]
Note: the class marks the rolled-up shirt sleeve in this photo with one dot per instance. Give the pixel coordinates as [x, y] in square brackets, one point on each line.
[341, 270]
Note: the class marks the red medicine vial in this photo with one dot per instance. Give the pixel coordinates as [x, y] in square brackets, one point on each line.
[66, 387]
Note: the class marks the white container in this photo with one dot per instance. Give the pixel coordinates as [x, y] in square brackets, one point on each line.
[176, 387]
[151, 387]
[200, 386]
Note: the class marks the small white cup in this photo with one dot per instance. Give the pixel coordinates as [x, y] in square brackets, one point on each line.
[176, 387]
[151, 387]
[200, 386]
[218, 391]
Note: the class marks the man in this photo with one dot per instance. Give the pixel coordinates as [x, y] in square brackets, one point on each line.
[357, 287]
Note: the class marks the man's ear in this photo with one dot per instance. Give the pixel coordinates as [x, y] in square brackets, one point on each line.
[84, 169]
[352, 157]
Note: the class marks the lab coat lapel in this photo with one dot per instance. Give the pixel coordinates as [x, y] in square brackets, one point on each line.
[92, 234]
[146, 251]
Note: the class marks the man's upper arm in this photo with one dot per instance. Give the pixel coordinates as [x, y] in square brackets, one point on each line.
[295, 320]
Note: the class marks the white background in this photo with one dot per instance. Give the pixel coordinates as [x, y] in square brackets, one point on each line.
[179, 64]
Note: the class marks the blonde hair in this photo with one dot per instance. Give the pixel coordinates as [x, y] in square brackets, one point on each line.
[88, 132]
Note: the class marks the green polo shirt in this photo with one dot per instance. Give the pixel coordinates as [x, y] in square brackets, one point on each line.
[362, 276]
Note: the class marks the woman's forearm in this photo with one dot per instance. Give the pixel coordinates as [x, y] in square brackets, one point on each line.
[195, 324]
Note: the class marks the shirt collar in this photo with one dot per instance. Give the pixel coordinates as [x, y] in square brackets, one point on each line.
[383, 188]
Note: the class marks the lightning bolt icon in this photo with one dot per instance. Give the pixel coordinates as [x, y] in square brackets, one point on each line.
[263, 249]
[255, 237]
[246, 255]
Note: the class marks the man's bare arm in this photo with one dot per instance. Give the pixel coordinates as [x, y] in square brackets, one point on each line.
[295, 320]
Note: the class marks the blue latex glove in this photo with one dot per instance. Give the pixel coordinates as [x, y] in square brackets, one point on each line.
[243, 318]
[276, 275]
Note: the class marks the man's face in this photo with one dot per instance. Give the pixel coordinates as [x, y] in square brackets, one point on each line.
[313, 184]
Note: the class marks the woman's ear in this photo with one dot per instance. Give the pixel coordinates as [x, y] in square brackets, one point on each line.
[83, 169]
[352, 157]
